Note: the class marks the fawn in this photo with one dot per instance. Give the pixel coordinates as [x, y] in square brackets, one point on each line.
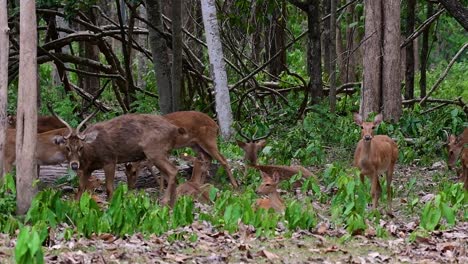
[268, 187]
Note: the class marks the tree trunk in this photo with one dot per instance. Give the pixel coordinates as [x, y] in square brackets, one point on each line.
[425, 53]
[314, 50]
[457, 10]
[391, 84]
[26, 123]
[218, 71]
[4, 43]
[91, 51]
[276, 43]
[409, 51]
[326, 39]
[176, 53]
[332, 44]
[372, 58]
[160, 56]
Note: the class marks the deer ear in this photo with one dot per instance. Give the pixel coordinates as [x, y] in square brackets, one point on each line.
[91, 136]
[276, 177]
[58, 140]
[240, 144]
[264, 174]
[357, 119]
[261, 143]
[378, 119]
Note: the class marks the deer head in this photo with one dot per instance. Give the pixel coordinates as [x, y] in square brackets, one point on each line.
[252, 146]
[269, 183]
[454, 147]
[367, 128]
[74, 141]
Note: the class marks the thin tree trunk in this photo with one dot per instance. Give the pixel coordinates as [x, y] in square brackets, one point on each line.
[160, 56]
[176, 53]
[26, 123]
[391, 84]
[4, 43]
[314, 50]
[409, 51]
[332, 44]
[218, 71]
[372, 58]
[326, 38]
[276, 36]
[425, 53]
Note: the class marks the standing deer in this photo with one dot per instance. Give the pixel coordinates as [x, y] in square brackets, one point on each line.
[268, 187]
[456, 148]
[126, 138]
[375, 155]
[44, 123]
[202, 132]
[50, 149]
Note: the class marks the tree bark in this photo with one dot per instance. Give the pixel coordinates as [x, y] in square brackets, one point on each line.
[409, 51]
[276, 44]
[176, 53]
[457, 10]
[159, 46]
[91, 51]
[217, 66]
[425, 53]
[4, 43]
[372, 58]
[26, 123]
[314, 50]
[332, 44]
[391, 84]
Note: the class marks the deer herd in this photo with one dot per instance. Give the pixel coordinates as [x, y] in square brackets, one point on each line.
[146, 140]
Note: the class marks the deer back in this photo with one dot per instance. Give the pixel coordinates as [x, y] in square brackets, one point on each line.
[455, 145]
[44, 123]
[201, 192]
[199, 127]
[284, 172]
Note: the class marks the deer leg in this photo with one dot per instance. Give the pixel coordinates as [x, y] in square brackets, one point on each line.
[83, 176]
[389, 188]
[375, 190]
[361, 176]
[109, 171]
[212, 149]
[167, 168]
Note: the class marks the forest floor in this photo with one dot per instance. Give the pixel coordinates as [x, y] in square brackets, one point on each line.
[320, 245]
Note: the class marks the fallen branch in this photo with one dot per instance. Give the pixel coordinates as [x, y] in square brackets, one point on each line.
[444, 74]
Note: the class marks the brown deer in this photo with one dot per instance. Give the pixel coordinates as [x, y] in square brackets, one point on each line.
[268, 187]
[375, 155]
[44, 123]
[202, 132]
[195, 186]
[457, 149]
[285, 172]
[126, 138]
[252, 146]
[50, 149]
[455, 145]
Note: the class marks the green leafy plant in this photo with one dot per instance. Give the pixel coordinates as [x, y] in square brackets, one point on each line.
[29, 246]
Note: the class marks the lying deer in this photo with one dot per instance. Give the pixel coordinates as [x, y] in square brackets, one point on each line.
[268, 187]
[195, 187]
[375, 155]
[251, 147]
[202, 132]
[456, 148]
[126, 138]
[50, 148]
[44, 123]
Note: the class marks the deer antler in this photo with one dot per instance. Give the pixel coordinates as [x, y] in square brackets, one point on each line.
[253, 138]
[446, 135]
[79, 135]
[262, 137]
[61, 120]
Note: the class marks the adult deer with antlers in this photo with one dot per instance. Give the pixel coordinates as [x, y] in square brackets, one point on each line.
[374, 155]
[126, 138]
[252, 146]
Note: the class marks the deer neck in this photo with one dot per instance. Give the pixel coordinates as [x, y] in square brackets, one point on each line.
[366, 149]
[275, 199]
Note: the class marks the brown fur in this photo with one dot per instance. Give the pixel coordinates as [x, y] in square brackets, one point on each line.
[455, 145]
[251, 149]
[50, 150]
[375, 155]
[44, 123]
[202, 132]
[195, 186]
[268, 187]
[285, 172]
[126, 138]
[464, 158]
